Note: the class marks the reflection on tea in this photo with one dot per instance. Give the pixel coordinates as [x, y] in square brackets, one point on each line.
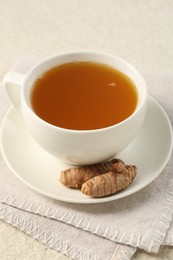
[83, 96]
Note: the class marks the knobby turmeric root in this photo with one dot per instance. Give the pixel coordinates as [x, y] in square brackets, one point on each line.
[109, 183]
[76, 177]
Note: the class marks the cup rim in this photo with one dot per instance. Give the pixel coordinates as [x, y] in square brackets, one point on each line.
[103, 54]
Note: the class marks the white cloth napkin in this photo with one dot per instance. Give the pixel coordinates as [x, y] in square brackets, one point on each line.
[115, 229]
[73, 242]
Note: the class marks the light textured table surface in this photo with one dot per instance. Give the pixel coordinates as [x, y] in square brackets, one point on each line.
[140, 31]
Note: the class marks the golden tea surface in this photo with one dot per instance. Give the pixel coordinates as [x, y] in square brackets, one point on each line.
[83, 96]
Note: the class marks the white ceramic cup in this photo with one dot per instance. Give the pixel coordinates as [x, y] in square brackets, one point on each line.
[77, 146]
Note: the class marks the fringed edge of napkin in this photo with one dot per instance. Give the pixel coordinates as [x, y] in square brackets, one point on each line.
[163, 222]
[12, 216]
[31, 228]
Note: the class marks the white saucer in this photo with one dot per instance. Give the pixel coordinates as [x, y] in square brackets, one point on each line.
[150, 151]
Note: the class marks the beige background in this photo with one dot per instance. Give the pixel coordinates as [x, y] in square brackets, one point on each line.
[140, 31]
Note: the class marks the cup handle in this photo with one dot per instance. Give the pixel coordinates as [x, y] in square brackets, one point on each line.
[12, 82]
